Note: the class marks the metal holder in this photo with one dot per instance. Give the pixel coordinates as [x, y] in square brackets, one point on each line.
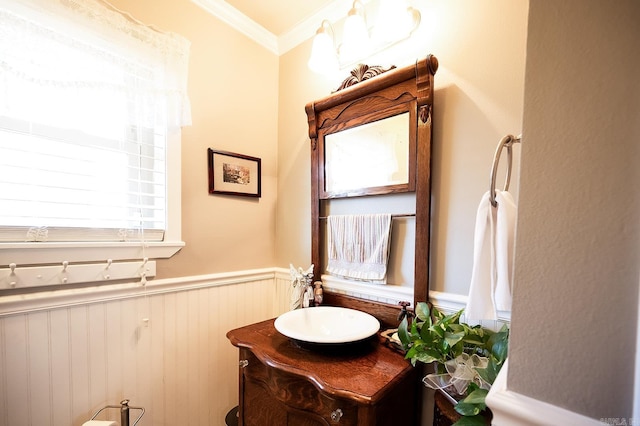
[124, 412]
[506, 142]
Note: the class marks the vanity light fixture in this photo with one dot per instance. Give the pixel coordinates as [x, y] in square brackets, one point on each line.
[396, 21]
[324, 58]
[356, 43]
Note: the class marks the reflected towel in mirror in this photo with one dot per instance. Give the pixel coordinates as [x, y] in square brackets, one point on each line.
[358, 246]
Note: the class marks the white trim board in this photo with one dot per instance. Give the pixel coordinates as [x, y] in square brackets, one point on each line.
[391, 294]
[54, 299]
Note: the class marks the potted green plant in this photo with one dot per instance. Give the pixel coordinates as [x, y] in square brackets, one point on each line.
[467, 359]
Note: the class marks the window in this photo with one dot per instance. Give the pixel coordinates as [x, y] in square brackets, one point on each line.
[91, 105]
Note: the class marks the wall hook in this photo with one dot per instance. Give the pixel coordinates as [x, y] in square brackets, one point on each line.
[12, 274]
[65, 264]
[106, 276]
[143, 274]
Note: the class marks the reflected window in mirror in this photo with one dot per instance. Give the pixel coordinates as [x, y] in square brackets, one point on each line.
[371, 155]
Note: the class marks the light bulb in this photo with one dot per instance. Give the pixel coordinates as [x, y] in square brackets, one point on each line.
[323, 58]
[355, 41]
[395, 21]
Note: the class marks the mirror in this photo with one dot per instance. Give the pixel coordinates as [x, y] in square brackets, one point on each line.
[371, 145]
[371, 156]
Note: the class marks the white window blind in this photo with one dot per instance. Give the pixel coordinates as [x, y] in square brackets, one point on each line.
[88, 97]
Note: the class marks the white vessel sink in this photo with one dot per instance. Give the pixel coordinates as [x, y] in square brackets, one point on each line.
[327, 324]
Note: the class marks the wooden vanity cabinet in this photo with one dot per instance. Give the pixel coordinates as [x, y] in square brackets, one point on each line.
[283, 383]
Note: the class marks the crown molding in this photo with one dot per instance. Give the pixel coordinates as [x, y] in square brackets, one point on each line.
[237, 20]
[300, 33]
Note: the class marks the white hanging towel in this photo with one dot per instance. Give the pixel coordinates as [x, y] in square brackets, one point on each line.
[492, 273]
[358, 246]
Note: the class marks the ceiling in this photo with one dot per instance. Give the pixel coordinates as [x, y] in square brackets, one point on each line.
[279, 25]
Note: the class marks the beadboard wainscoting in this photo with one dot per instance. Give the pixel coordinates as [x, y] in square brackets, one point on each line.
[164, 348]
[65, 354]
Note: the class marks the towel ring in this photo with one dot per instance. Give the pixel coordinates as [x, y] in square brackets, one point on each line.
[506, 142]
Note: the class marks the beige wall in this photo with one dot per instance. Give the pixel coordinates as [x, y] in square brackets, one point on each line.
[575, 302]
[234, 102]
[478, 99]
[253, 103]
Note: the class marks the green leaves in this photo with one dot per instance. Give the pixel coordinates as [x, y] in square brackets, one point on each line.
[467, 409]
[431, 340]
[490, 373]
[435, 337]
[422, 312]
[471, 407]
[453, 338]
[476, 397]
[403, 334]
[498, 344]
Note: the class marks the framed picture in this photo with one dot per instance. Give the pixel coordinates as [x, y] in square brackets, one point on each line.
[234, 174]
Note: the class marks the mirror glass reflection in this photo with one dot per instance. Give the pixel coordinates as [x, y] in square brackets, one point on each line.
[372, 155]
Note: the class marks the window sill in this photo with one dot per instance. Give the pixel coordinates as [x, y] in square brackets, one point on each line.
[41, 253]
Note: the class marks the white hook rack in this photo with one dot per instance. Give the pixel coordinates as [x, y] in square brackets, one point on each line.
[36, 276]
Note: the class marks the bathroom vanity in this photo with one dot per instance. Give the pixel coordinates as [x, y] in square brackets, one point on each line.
[286, 382]
[283, 382]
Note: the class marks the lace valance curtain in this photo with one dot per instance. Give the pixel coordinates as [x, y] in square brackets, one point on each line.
[89, 100]
[85, 54]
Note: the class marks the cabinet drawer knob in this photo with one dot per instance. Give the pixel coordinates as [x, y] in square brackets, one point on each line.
[336, 415]
[243, 363]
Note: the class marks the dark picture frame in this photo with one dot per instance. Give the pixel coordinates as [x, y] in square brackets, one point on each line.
[234, 174]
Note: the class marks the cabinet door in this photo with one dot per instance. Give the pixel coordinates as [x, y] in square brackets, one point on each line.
[259, 408]
[262, 409]
[270, 397]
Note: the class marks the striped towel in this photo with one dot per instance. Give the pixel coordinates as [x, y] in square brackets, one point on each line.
[358, 246]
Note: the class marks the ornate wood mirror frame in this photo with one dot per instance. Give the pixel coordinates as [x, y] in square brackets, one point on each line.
[370, 95]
